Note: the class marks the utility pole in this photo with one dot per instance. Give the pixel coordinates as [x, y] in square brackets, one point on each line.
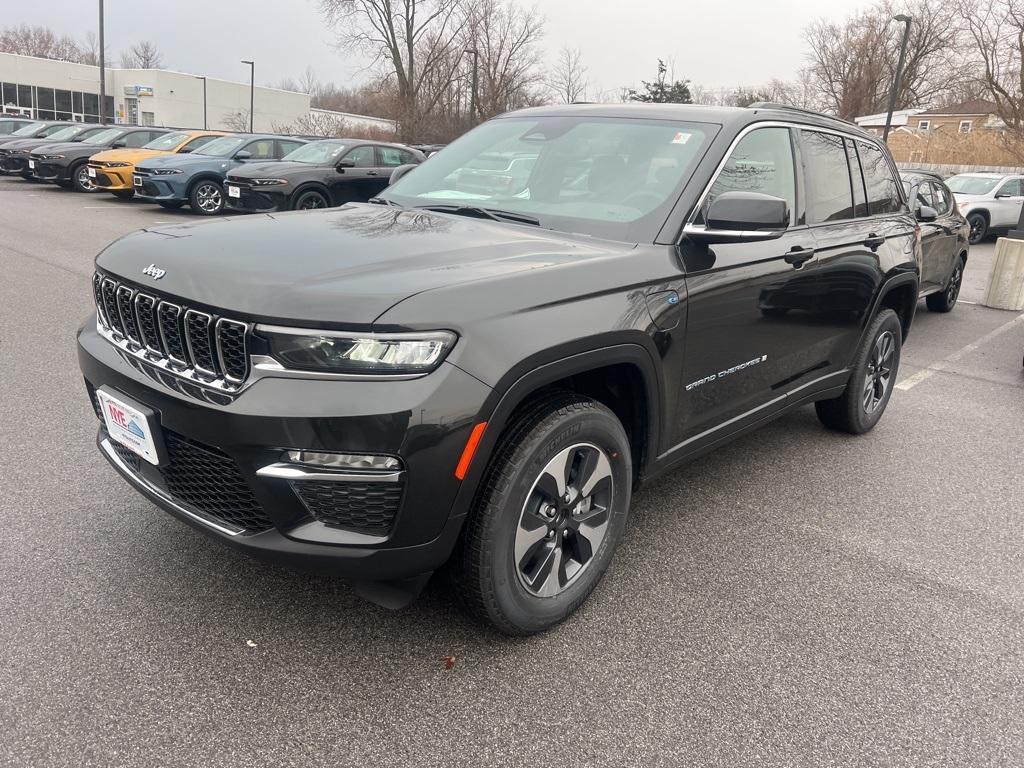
[899, 73]
[103, 73]
[252, 90]
[473, 96]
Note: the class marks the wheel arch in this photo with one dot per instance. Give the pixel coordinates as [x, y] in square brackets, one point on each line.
[623, 377]
[308, 186]
[200, 177]
[900, 294]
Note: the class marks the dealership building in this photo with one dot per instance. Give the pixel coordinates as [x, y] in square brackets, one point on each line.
[46, 89]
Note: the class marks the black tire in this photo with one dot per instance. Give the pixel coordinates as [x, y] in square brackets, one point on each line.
[79, 177]
[488, 577]
[206, 197]
[309, 200]
[945, 300]
[171, 205]
[123, 194]
[851, 412]
[979, 227]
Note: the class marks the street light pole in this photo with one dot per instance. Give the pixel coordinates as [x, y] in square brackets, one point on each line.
[203, 78]
[252, 90]
[103, 73]
[899, 73]
[473, 97]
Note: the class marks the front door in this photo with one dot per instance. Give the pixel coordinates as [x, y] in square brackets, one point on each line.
[1007, 204]
[749, 334]
[358, 181]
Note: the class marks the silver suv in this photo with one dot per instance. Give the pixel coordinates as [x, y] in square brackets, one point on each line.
[988, 201]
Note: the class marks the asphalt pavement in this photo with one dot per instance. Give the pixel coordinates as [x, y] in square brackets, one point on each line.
[798, 598]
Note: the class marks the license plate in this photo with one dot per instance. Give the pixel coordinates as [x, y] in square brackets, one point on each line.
[129, 426]
[32, 165]
[137, 181]
[91, 172]
[234, 191]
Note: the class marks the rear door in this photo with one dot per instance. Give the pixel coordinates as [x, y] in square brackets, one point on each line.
[749, 334]
[389, 158]
[856, 244]
[360, 181]
[1006, 207]
[939, 262]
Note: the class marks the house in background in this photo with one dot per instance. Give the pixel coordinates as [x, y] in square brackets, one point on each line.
[876, 123]
[966, 117]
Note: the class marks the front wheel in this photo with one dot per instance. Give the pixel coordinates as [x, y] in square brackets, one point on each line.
[80, 180]
[206, 198]
[867, 393]
[311, 200]
[979, 228]
[944, 301]
[551, 512]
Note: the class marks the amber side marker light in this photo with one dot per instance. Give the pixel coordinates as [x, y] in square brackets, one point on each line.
[469, 450]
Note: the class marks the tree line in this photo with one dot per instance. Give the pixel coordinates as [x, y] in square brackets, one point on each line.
[44, 43]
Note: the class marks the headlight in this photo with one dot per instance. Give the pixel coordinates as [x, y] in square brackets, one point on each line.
[268, 182]
[118, 165]
[357, 353]
[166, 171]
[52, 157]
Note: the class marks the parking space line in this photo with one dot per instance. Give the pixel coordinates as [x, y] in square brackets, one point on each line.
[946, 362]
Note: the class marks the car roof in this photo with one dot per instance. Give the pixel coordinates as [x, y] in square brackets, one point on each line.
[726, 116]
[920, 173]
[988, 174]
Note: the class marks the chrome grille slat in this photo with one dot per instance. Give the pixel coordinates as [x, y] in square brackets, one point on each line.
[174, 344]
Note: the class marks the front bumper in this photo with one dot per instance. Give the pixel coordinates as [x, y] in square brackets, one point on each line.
[112, 179]
[49, 170]
[14, 164]
[425, 422]
[252, 201]
[170, 188]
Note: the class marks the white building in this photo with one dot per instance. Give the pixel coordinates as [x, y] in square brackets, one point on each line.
[59, 90]
[876, 123]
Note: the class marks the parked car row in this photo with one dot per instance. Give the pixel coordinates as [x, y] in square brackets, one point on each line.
[210, 171]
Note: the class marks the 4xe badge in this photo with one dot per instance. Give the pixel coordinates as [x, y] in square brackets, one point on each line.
[154, 271]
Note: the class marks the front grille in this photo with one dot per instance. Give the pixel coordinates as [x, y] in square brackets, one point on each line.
[362, 507]
[209, 480]
[102, 180]
[203, 348]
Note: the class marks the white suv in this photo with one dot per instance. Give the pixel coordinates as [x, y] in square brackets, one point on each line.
[988, 201]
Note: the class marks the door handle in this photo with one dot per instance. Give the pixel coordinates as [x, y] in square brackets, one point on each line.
[372, 173]
[798, 255]
[874, 242]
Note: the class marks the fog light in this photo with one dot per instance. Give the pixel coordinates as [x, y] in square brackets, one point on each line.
[358, 461]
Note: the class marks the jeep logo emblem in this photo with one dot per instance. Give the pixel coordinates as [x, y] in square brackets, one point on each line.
[154, 271]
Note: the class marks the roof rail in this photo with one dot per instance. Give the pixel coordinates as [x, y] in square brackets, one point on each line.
[790, 108]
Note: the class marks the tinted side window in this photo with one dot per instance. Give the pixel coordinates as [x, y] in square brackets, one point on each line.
[196, 143]
[137, 139]
[391, 157]
[287, 147]
[1010, 188]
[883, 194]
[761, 162]
[830, 197]
[363, 157]
[261, 150]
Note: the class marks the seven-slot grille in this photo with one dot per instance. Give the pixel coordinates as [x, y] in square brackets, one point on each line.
[191, 343]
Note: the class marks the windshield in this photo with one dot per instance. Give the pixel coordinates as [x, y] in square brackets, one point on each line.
[614, 178]
[972, 185]
[28, 130]
[103, 137]
[316, 153]
[167, 142]
[222, 147]
[67, 133]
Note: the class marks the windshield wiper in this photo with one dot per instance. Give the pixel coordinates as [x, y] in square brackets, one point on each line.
[483, 213]
[382, 201]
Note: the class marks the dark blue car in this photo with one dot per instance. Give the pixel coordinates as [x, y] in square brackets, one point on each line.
[198, 178]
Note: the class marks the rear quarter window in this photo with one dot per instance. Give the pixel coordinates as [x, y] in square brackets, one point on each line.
[879, 182]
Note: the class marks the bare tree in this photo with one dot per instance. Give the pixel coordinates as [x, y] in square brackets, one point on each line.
[568, 79]
[505, 37]
[39, 41]
[237, 121]
[142, 55]
[996, 28]
[418, 43]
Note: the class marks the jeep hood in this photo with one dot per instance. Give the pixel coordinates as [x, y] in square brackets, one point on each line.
[343, 266]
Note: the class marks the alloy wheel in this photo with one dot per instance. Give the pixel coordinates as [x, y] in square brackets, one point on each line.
[209, 198]
[312, 202]
[84, 181]
[878, 376]
[977, 224]
[955, 280]
[564, 520]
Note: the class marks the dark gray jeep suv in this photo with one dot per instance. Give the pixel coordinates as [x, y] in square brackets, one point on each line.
[481, 367]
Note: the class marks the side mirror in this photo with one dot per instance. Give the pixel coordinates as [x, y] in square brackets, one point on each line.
[401, 171]
[927, 213]
[343, 164]
[185, 151]
[118, 145]
[742, 216]
[243, 155]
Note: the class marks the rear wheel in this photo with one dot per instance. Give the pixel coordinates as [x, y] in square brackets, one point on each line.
[311, 200]
[979, 227]
[206, 198]
[549, 517]
[123, 194]
[946, 300]
[875, 368]
[80, 180]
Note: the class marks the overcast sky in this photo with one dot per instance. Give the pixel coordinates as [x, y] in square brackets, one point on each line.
[724, 43]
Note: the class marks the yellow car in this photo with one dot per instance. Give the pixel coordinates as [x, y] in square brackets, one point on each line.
[113, 169]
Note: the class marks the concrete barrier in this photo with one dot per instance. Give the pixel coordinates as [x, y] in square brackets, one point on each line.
[1006, 280]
